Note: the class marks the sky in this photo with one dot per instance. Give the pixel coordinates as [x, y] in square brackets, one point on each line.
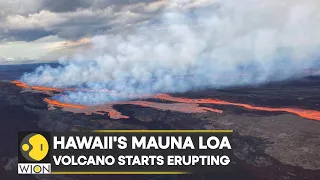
[46, 30]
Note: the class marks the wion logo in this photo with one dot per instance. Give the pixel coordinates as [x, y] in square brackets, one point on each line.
[34, 153]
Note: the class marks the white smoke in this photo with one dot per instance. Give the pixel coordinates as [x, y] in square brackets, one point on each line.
[194, 48]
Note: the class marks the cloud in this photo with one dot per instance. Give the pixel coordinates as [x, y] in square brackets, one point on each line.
[49, 48]
[214, 43]
[65, 5]
[20, 7]
[30, 20]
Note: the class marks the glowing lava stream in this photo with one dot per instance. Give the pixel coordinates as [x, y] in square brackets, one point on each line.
[49, 90]
[310, 114]
[114, 114]
[180, 104]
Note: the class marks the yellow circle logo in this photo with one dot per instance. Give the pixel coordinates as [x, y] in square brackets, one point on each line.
[34, 147]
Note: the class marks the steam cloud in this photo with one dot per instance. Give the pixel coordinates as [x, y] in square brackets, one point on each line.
[194, 48]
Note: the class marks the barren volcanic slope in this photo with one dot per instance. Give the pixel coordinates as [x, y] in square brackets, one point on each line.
[276, 125]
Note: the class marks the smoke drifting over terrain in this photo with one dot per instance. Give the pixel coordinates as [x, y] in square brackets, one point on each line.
[223, 44]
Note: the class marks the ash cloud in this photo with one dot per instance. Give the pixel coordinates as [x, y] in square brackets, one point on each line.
[223, 44]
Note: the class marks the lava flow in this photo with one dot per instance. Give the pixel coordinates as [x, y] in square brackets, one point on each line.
[114, 114]
[47, 90]
[50, 90]
[310, 114]
[178, 104]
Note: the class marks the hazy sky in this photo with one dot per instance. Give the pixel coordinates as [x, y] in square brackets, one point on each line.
[49, 29]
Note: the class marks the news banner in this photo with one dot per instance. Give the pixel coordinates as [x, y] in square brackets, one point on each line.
[124, 152]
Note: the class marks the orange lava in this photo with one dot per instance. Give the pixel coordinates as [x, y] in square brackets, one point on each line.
[310, 114]
[114, 114]
[64, 105]
[179, 107]
[49, 90]
[21, 84]
[101, 109]
[36, 88]
[179, 104]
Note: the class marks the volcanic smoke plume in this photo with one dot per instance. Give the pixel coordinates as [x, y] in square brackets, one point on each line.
[225, 43]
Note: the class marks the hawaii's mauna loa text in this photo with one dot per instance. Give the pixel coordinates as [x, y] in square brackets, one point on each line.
[141, 150]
